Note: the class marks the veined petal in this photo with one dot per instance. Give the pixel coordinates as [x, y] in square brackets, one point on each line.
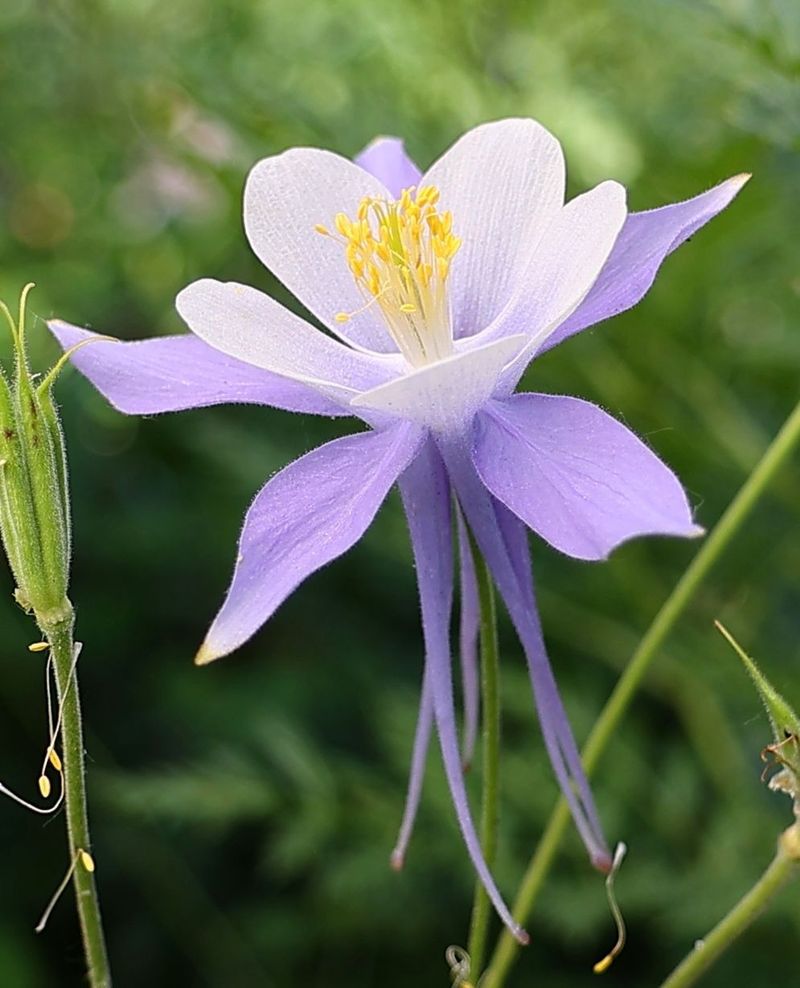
[468, 628]
[646, 239]
[503, 542]
[426, 498]
[386, 159]
[576, 476]
[419, 755]
[286, 197]
[560, 271]
[173, 373]
[251, 326]
[307, 515]
[503, 183]
[444, 396]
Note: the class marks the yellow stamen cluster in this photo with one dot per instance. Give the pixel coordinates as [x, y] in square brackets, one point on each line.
[399, 253]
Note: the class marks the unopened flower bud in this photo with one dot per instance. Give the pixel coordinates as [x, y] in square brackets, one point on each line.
[785, 749]
[34, 502]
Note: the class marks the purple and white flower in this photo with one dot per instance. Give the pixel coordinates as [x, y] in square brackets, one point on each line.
[437, 292]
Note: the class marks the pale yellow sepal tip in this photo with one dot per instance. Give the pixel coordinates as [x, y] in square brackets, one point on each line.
[743, 178]
[87, 861]
[55, 761]
[38, 646]
[205, 654]
[44, 786]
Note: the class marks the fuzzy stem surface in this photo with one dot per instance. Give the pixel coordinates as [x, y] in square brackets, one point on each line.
[58, 626]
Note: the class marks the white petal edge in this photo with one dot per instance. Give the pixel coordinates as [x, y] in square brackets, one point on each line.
[285, 198]
[504, 182]
[245, 323]
[445, 396]
[559, 273]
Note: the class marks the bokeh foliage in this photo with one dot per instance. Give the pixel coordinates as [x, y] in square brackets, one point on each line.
[243, 814]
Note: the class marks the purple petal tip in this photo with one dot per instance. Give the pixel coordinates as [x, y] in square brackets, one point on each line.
[602, 861]
[521, 936]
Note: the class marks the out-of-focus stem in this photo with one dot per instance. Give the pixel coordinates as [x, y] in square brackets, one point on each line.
[785, 866]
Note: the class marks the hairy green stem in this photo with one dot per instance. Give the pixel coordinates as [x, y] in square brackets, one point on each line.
[490, 700]
[58, 627]
[785, 866]
[673, 607]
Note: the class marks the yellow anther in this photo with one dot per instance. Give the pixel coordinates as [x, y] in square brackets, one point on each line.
[38, 646]
[44, 786]
[86, 860]
[322, 229]
[399, 254]
[55, 761]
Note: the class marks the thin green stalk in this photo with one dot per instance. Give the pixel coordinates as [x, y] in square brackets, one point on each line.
[58, 628]
[784, 867]
[490, 699]
[674, 606]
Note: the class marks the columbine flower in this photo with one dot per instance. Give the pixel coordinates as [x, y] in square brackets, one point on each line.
[438, 291]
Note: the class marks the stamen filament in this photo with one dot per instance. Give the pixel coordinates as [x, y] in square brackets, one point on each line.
[87, 863]
[50, 754]
[603, 965]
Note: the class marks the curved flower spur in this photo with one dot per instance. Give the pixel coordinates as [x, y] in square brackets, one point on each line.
[438, 291]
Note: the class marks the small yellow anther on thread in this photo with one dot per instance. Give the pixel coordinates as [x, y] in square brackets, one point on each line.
[342, 317]
[86, 860]
[603, 965]
[38, 646]
[343, 225]
[408, 307]
[322, 229]
[54, 760]
[44, 786]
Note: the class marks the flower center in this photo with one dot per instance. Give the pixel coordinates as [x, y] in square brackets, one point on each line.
[399, 252]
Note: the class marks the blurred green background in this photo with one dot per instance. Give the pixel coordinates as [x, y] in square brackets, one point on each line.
[243, 814]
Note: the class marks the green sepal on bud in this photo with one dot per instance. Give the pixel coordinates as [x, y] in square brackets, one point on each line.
[34, 500]
[785, 749]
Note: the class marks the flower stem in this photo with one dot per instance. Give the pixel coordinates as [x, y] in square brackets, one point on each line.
[490, 698]
[58, 627]
[785, 866]
[672, 608]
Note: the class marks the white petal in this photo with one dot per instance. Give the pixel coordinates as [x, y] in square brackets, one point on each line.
[503, 182]
[444, 396]
[285, 198]
[561, 271]
[249, 325]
